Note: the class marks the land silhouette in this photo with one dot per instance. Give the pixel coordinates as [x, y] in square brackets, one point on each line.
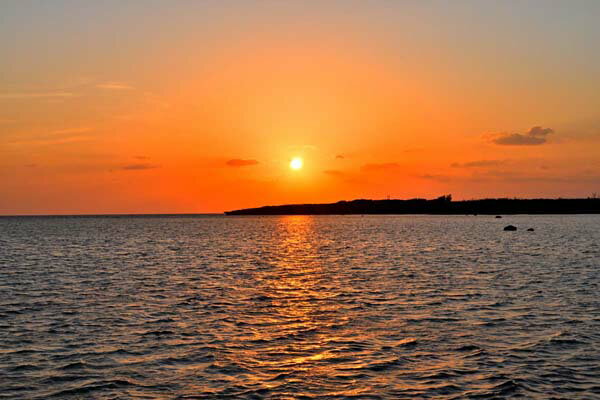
[440, 205]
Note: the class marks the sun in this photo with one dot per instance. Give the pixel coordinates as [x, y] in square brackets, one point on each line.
[296, 163]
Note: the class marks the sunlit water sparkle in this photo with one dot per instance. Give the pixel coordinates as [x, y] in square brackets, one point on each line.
[300, 307]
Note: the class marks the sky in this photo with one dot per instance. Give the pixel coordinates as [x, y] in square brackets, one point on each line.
[199, 106]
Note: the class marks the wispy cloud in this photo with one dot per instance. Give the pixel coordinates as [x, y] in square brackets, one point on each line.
[237, 162]
[139, 167]
[36, 95]
[70, 131]
[51, 141]
[60, 136]
[478, 163]
[114, 86]
[535, 136]
[339, 157]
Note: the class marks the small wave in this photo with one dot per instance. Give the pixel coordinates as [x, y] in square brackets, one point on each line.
[385, 365]
[565, 342]
[160, 321]
[60, 379]
[506, 388]
[468, 347]
[81, 365]
[432, 319]
[351, 377]
[24, 368]
[93, 387]
[408, 342]
[158, 333]
[227, 369]
[441, 375]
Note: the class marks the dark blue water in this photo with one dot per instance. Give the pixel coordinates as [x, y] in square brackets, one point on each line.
[390, 307]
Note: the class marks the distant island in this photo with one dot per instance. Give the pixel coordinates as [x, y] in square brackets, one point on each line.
[441, 205]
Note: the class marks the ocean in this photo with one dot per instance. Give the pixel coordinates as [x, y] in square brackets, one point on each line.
[300, 307]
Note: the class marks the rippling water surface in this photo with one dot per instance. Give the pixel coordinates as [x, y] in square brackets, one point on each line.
[300, 307]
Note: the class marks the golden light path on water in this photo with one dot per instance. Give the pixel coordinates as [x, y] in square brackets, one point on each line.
[298, 306]
[307, 333]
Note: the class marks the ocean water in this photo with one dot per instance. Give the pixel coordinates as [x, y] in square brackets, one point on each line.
[300, 307]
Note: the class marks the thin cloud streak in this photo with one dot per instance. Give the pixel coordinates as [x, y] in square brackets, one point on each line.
[114, 86]
[56, 137]
[478, 163]
[139, 167]
[535, 136]
[70, 131]
[50, 141]
[38, 95]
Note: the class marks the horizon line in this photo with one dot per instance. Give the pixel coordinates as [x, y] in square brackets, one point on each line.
[113, 215]
[192, 214]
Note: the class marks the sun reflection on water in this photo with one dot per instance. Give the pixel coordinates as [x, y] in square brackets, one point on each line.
[295, 313]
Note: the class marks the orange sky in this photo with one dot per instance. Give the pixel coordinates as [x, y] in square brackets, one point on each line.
[153, 107]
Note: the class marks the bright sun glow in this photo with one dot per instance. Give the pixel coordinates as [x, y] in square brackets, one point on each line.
[296, 163]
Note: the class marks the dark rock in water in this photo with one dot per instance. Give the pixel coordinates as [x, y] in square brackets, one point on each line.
[510, 228]
[530, 230]
[498, 216]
